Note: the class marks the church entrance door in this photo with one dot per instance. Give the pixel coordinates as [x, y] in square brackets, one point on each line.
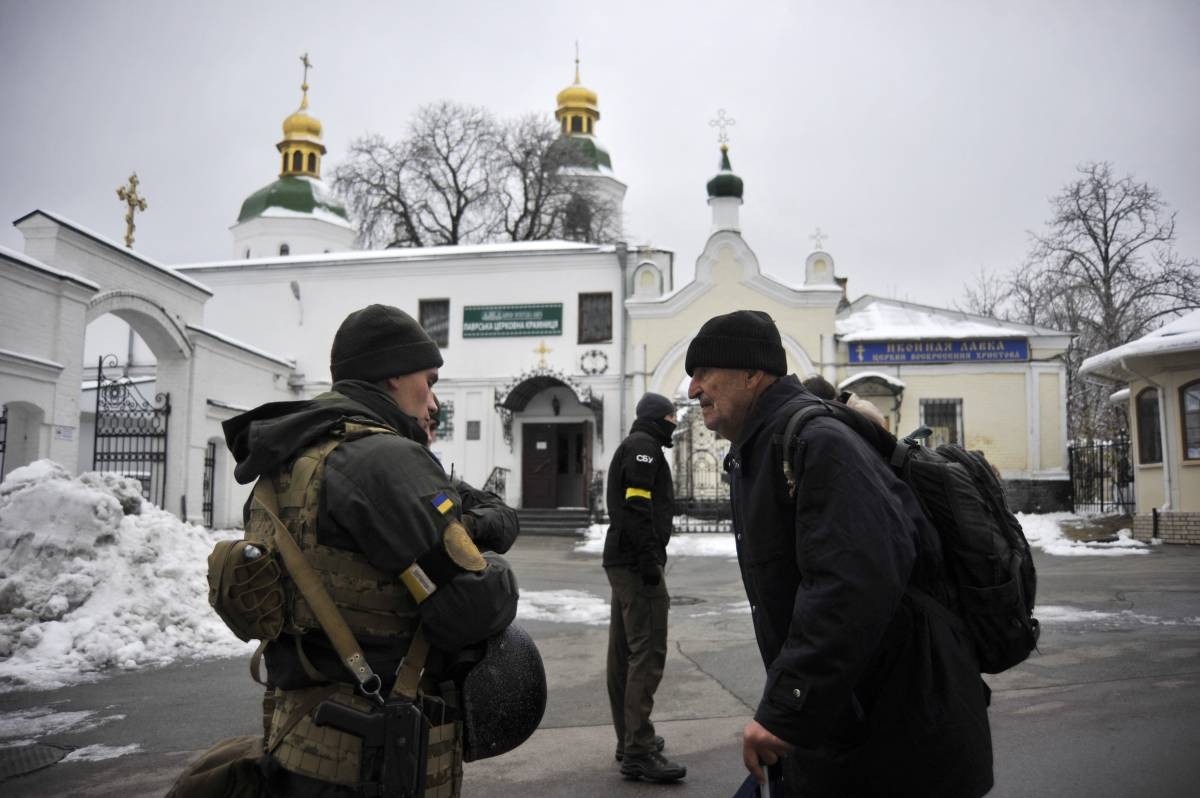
[555, 464]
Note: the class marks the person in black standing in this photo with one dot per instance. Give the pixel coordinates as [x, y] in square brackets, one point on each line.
[868, 691]
[640, 506]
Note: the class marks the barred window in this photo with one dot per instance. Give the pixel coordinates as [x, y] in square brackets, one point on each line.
[1189, 408]
[445, 419]
[595, 318]
[1148, 429]
[944, 417]
[435, 318]
[472, 430]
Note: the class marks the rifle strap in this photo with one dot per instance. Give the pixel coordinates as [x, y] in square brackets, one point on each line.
[310, 586]
[408, 675]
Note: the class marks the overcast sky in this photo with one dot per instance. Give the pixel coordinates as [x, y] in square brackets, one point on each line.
[923, 138]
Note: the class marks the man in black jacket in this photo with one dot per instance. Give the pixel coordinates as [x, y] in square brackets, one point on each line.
[384, 506]
[641, 502]
[866, 693]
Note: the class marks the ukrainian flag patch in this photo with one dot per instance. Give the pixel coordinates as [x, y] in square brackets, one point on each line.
[442, 503]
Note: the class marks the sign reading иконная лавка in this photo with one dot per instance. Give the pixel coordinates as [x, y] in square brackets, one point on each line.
[493, 321]
[940, 351]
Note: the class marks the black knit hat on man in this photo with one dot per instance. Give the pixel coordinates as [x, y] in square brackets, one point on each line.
[378, 342]
[743, 339]
[654, 405]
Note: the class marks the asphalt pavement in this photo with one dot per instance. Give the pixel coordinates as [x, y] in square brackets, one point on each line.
[1108, 708]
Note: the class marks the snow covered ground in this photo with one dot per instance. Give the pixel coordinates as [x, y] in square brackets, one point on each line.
[93, 580]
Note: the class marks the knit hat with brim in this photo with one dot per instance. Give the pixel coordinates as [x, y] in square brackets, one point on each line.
[743, 339]
[378, 342]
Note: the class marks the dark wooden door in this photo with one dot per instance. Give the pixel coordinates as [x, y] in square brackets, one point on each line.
[539, 457]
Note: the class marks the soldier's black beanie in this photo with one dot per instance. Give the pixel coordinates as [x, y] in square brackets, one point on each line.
[655, 405]
[378, 342]
[743, 339]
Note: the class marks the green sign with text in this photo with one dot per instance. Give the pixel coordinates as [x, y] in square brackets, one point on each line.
[497, 321]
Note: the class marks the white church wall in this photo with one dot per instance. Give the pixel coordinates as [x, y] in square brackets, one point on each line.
[255, 302]
[262, 236]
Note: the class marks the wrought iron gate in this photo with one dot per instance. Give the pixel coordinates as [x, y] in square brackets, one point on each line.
[210, 468]
[701, 485]
[131, 432]
[1101, 476]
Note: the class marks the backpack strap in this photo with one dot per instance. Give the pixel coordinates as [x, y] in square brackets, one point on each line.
[792, 431]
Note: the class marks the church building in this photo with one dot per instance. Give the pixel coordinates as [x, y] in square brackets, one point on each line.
[547, 344]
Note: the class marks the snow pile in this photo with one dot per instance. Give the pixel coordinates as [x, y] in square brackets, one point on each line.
[92, 578]
[1043, 531]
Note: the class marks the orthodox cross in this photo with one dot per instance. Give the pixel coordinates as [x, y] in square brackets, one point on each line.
[307, 66]
[542, 350]
[722, 123]
[129, 194]
[816, 238]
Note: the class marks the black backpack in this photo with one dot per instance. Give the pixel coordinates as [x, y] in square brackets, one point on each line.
[987, 562]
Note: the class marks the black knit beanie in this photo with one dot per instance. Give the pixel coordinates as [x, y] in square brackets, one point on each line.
[743, 339]
[655, 405]
[378, 342]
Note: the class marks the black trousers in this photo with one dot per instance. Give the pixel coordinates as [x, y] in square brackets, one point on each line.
[637, 652]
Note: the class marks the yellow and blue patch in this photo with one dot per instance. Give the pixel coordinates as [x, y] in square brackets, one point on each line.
[442, 503]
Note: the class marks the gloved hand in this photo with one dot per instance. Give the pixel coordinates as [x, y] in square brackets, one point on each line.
[648, 568]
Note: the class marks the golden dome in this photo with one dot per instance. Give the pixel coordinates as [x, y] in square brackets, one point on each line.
[300, 125]
[576, 96]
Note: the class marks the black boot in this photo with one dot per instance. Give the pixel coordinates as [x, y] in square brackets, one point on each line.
[652, 767]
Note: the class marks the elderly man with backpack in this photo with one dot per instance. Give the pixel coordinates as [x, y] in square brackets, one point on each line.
[872, 686]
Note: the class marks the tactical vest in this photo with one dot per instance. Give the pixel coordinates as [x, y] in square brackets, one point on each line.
[374, 603]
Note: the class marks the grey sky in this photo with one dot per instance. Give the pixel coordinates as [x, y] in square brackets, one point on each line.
[923, 137]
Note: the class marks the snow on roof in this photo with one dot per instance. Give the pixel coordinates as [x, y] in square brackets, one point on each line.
[25, 260]
[891, 380]
[290, 363]
[872, 318]
[64, 222]
[318, 212]
[512, 248]
[41, 361]
[1179, 336]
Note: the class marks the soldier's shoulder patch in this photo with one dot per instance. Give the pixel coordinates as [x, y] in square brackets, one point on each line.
[462, 549]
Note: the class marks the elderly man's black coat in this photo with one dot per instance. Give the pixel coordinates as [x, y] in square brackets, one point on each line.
[880, 697]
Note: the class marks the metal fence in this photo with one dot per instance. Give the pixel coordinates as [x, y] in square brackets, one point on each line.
[131, 432]
[701, 484]
[210, 468]
[1101, 476]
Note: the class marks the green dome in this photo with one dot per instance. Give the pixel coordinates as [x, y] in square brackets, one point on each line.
[590, 154]
[293, 195]
[726, 183]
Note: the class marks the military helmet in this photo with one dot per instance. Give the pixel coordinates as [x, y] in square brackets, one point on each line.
[504, 695]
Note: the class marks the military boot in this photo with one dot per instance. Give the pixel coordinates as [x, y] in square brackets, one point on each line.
[659, 744]
[652, 767]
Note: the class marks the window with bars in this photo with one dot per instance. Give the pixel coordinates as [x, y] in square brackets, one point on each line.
[595, 318]
[1148, 429]
[473, 430]
[445, 419]
[944, 417]
[435, 318]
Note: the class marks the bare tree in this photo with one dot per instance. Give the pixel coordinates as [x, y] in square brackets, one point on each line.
[986, 296]
[1105, 269]
[461, 177]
